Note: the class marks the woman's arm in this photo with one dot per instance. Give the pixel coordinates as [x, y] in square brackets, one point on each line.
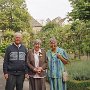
[62, 59]
[28, 61]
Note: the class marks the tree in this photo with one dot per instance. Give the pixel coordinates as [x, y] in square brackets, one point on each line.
[81, 9]
[80, 17]
[54, 30]
[14, 15]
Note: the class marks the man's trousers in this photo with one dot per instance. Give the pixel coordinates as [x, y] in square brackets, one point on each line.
[15, 81]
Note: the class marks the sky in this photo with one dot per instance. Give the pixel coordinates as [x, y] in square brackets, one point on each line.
[43, 9]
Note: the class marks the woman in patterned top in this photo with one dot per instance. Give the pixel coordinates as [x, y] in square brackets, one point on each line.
[57, 58]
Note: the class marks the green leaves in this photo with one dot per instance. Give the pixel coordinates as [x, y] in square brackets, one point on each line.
[79, 70]
[54, 30]
[14, 15]
[74, 38]
[81, 9]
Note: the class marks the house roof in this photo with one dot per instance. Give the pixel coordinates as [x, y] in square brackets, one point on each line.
[48, 20]
[35, 23]
[59, 20]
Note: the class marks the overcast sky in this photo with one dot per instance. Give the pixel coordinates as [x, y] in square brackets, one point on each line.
[43, 9]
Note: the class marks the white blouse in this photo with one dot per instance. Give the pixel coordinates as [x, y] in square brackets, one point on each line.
[36, 57]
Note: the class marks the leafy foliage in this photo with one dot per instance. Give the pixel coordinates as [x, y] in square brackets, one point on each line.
[3, 46]
[14, 15]
[74, 38]
[78, 85]
[80, 17]
[53, 30]
[79, 70]
[81, 9]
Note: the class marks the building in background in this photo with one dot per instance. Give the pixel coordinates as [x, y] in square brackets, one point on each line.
[59, 20]
[36, 26]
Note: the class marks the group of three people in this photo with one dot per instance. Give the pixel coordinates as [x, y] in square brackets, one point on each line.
[19, 64]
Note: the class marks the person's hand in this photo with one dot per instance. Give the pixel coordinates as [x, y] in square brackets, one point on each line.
[6, 76]
[39, 70]
[58, 56]
[62, 59]
[35, 69]
[27, 76]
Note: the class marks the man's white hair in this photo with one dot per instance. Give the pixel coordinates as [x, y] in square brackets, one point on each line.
[18, 34]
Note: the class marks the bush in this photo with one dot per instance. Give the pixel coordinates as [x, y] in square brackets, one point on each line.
[3, 46]
[79, 70]
[78, 85]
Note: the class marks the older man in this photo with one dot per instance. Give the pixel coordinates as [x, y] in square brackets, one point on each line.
[37, 63]
[14, 66]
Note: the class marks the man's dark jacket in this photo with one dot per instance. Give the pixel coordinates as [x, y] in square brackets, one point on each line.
[15, 60]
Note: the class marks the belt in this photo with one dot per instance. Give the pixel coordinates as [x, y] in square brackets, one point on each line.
[16, 71]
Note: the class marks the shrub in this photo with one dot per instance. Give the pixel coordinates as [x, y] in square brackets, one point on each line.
[78, 85]
[3, 46]
[79, 70]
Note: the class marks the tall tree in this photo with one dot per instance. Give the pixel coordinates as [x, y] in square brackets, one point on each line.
[81, 9]
[14, 15]
[80, 16]
[57, 31]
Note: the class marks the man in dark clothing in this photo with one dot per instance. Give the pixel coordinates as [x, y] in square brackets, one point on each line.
[14, 65]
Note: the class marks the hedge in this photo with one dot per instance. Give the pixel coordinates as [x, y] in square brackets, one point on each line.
[78, 85]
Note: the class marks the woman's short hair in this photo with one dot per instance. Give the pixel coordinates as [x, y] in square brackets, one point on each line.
[37, 41]
[53, 39]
